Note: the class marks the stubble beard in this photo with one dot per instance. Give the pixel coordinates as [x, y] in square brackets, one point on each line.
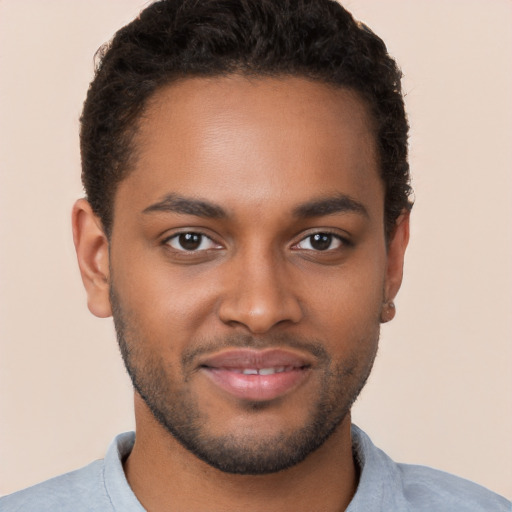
[176, 409]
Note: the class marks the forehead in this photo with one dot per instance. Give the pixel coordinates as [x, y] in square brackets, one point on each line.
[254, 142]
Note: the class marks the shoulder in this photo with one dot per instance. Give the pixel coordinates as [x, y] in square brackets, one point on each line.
[78, 490]
[100, 486]
[432, 489]
[386, 485]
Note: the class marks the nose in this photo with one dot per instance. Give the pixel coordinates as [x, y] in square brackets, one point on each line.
[259, 295]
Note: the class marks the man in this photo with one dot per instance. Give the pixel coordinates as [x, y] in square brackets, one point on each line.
[246, 220]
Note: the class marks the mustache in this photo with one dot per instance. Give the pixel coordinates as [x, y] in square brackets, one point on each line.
[206, 347]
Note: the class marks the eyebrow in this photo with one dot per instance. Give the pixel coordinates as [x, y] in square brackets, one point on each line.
[330, 206]
[188, 206]
[173, 203]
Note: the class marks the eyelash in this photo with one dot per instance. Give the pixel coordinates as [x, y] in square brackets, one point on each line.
[343, 241]
[202, 238]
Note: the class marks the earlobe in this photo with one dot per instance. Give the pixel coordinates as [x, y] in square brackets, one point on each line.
[395, 264]
[91, 245]
[387, 312]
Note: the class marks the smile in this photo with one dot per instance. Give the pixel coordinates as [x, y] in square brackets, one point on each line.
[257, 375]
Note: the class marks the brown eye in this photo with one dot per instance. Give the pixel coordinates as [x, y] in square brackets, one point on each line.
[191, 242]
[320, 242]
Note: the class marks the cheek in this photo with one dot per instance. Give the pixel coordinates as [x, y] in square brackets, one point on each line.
[348, 298]
[168, 305]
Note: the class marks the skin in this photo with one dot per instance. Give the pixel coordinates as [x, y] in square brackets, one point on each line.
[260, 149]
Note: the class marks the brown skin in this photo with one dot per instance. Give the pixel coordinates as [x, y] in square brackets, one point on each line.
[258, 148]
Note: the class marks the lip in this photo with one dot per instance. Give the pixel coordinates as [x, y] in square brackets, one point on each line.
[226, 370]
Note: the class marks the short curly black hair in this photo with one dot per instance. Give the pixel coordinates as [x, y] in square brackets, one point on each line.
[175, 39]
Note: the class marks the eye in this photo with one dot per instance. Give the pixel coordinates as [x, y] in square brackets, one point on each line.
[191, 242]
[320, 242]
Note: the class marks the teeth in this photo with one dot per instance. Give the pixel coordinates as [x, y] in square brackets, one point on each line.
[250, 371]
[270, 371]
[263, 371]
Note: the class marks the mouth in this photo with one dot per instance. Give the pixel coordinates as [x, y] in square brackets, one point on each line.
[255, 375]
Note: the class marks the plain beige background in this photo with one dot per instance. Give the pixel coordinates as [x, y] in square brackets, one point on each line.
[441, 392]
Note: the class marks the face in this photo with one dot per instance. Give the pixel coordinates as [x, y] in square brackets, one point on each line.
[248, 266]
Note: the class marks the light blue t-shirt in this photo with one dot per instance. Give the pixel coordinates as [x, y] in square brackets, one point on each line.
[384, 486]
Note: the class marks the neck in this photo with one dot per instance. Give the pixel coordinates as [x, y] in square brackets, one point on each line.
[165, 476]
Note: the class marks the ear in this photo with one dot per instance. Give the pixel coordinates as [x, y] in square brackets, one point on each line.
[397, 245]
[91, 245]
